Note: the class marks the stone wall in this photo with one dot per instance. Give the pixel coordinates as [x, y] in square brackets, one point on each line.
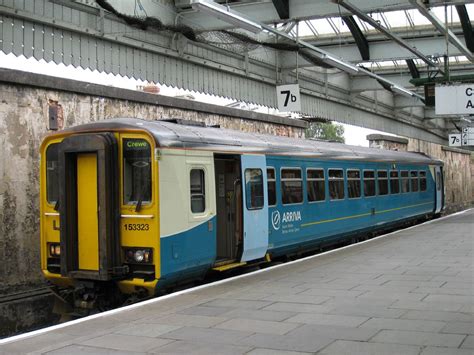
[458, 166]
[25, 100]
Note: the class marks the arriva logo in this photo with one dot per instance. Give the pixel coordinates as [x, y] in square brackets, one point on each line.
[276, 220]
[135, 144]
[291, 217]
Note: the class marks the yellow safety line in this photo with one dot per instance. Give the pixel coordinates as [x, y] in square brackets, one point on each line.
[362, 215]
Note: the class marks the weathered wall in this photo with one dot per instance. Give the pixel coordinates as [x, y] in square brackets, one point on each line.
[24, 121]
[458, 166]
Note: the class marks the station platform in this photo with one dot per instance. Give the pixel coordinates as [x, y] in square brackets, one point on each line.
[408, 292]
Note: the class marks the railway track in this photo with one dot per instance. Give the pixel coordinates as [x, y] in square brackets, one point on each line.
[24, 295]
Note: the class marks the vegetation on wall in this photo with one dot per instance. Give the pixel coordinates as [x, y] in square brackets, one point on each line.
[328, 131]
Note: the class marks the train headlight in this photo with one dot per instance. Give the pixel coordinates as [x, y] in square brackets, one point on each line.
[54, 249]
[138, 255]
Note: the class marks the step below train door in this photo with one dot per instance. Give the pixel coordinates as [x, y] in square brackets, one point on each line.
[255, 207]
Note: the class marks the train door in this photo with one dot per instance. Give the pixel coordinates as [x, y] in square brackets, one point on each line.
[228, 208]
[88, 206]
[255, 206]
[439, 188]
[87, 212]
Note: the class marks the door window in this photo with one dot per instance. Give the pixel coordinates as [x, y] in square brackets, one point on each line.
[271, 181]
[254, 189]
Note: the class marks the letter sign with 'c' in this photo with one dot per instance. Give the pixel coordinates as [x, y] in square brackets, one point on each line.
[288, 98]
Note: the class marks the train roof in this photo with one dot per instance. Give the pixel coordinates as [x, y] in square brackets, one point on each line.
[174, 135]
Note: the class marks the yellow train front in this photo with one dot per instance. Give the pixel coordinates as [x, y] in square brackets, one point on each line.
[100, 214]
[130, 208]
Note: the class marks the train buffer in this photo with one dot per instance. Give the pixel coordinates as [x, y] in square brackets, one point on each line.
[408, 292]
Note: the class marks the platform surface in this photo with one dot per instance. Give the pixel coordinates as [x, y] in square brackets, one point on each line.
[406, 293]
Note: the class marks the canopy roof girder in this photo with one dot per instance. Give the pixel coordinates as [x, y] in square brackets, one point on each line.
[441, 27]
[264, 10]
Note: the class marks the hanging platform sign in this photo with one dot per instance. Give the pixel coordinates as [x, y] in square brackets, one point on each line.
[466, 138]
[288, 98]
[454, 99]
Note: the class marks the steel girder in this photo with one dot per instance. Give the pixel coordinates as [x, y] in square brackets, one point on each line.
[264, 10]
[441, 27]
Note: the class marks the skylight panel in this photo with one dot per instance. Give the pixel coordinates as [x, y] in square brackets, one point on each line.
[325, 26]
[439, 12]
[398, 19]
[418, 18]
[364, 26]
[303, 30]
[470, 11]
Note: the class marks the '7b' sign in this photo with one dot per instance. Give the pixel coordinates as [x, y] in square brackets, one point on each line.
[288, 98]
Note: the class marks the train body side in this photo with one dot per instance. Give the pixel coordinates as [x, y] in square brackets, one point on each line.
[294, 227]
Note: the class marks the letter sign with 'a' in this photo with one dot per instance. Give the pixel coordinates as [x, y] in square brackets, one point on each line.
[288, 98]
[454, 99]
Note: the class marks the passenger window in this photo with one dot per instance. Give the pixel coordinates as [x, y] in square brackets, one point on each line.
[254, 189]
[315, 185]
[353, 183]
[414, 180]
[405, 181]
[291, 186]
[422, 175]
[438, 181]
[136, 171]
[52, 173]
[394, 182]
[198, 191]
[336, 184]
[271, 182]
[382, 182]
[369, 183]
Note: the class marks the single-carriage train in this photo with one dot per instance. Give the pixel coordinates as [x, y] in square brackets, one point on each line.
[132, 207]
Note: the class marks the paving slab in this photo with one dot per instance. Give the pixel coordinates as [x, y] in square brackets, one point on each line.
[200, 348]
[468, 342]
[342, 347]
[409, 292]
[418, 338]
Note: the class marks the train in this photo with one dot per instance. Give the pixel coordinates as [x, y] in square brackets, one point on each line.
[131, 207]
